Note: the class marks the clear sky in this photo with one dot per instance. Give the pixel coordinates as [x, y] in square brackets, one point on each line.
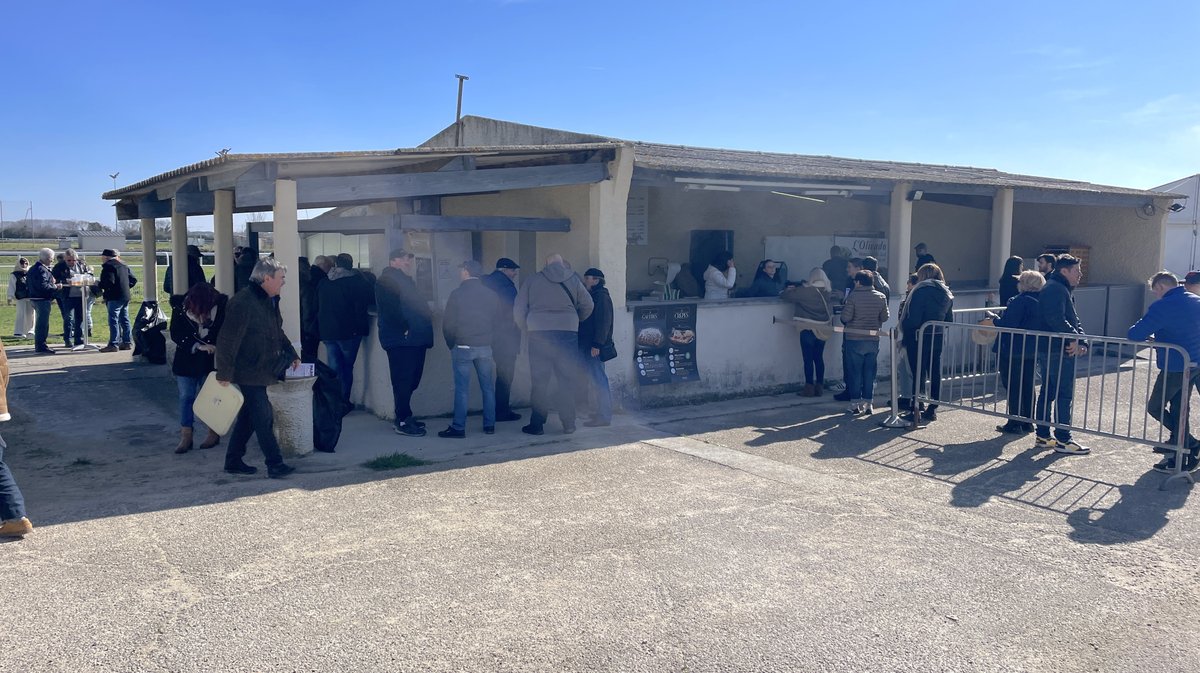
[1098, 91]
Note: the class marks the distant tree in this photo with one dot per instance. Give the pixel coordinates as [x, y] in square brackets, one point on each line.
[162, 229]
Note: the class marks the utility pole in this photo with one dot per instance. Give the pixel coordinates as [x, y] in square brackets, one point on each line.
[458, 113]
[116, 222]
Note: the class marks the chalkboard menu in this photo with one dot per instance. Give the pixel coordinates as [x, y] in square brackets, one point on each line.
[664, 337]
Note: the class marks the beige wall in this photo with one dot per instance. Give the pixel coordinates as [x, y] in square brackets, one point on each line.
[1125, 249]
[959, 238]
[552, 202]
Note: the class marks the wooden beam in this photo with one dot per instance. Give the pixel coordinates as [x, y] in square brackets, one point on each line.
[151, 207]
[355, 224]
[349, 190]
[486, 223]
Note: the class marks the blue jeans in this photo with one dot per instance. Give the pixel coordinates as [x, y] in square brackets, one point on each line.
[464, 360]
[813, 350]
[12, 503]
[861, 358]
[189, 387]
[1058, 392]
[554, 354]
[41, 323]
[342, 355]
[73, 321]
[118, 316]
[254, 418]
[594, 367]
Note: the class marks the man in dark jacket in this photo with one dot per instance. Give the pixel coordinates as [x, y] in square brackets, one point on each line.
[1173, 319]
[249, 348]
[115, 280]
[471, 316]
[405, 333]
[506, 342]
[243, 266]
[923, 256]
[71, 297]
[43, 289]
[880, 284]
[310, 302]
[595, 335]
[342, 318]
[1057, 355]
[930, 300]
[195, 272]
[837, 269]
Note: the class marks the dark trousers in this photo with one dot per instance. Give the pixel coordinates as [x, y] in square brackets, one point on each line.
[406, 364]
[342, 354]
[1166, 397]
[1057, 395]
[506, 365]
[12, 503]
[73, 320]
[1017, 376]
[309, 342]
[931, 369]
[255, 418]
[554, 354]
[41, 323]
[813, 350]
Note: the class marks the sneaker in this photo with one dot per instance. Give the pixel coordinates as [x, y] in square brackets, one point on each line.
[16, 528]
[111, 348]
[509, 416]
[280, 471]
[842, 396]
[929, 415]
[532, 429]
[1072, 447]
[1044, 443]
[489, 429]
[1166, 465]
[126, 347]
[451, 433]
[854, 409]
[240, 468]
[1013, 428]
[910, 418]
[569, 429]
[410, 428]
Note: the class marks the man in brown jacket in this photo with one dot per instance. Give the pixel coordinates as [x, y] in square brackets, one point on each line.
[865, 312]
[13, 522]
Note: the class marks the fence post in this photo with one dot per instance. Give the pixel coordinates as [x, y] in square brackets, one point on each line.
[893, 420]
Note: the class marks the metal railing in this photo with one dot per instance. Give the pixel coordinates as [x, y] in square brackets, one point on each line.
[1114, 390]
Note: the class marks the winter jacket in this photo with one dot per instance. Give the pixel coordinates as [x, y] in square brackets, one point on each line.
[1056, 306]
[405, 320]
[865, 309]
[18, 287]
[880, 285]
[472, 313]
[553, 299]
[812, 303]
[343, 299]
[251, 339]
[115, 280]
[1174, 319]
[765, 286]
[930, 301]
[309, 301]
[188, 335]
[507, 338]
[1023, 312]
[244, 268]
[836, 269]
[1008, 289]
[62, 273]
[596, 331]
[195, 275]
[41, 282]
[717, 283]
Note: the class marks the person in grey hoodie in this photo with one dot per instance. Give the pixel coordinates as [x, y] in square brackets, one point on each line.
[548, 308]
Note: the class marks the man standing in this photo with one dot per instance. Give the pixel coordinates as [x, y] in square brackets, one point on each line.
[836, 269]
[249, 347]
[1173, 319]
[1191, 282]
[549, 307]
[865, 311]
[1058, 354]
[1045, 263]
[506, 342]
[595, 336]
[879, 284]
[70, 298]
[195, 272]
[472, 313]
[405, 334]
[42, 291]
[342, 318]
[115, 281]
[923, 256]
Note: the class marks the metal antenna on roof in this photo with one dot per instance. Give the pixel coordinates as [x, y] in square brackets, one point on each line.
[458, 113]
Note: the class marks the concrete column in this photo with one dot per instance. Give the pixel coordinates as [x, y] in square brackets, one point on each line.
[149, 261]
[223, 239]
[287, 252]
[607, 241]
[899, 237]
[179, 275]
[1002, 214]
[291, 403]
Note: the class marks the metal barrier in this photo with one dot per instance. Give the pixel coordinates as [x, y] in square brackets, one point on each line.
[1116, 405]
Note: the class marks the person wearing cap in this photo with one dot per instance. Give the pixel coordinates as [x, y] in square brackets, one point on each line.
[195, 273]
[405, 331]
[115, 280]
[595, 336]
[468, 325]
[923, 256]
[342, 321]
[506, 342]
[549, 306]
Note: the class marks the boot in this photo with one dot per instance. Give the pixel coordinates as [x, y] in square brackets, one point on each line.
[817, 390]
[809, 390]
[185, 440]
[211, 440]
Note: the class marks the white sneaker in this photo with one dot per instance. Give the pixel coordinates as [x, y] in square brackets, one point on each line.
[1072, 447]
[866, 410]
[854, 409]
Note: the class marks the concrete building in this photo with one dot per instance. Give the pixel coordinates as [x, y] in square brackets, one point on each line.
[1181, 245]
[630, 208]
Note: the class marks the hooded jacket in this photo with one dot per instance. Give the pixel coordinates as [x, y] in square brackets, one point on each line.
[342, 302]
[931, 300]
[471, 315]
[553, 299]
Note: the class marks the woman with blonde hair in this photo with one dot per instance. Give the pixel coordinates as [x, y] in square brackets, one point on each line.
[18, 290]
[1017, 353]
[812, 303]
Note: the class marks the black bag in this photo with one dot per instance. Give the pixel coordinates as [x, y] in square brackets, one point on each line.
[149, 341]
[328, 409]
[608, 351]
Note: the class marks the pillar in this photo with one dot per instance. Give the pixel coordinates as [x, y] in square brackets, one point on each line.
[1002, 214]
[223, 240]
[179, 274]
[899, 237]
[607, 238]
[149, 261]
[287, 252]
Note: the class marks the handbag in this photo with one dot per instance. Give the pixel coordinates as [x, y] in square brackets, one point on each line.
[608, 351]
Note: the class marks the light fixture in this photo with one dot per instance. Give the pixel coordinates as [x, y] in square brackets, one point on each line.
[711, 188]
[1176, 207]
[799, 196]
[916, 194]
[714, 182]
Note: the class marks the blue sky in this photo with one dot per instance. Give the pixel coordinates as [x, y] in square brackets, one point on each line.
[1101, 91]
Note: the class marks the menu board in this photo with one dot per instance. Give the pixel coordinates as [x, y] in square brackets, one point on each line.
[664, 337]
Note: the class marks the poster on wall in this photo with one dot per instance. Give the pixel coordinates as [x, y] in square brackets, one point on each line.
[874, 244]
[665, 339]
[637, 213]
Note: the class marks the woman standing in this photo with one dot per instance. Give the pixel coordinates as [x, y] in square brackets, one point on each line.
[812, 303]
[18, 290]
[720, 276]
[1008, 279]
[194, 328]
[1017, 353]
[931, 300]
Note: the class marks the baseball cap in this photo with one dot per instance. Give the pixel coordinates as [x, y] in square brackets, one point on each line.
[108, 252]
[1191, 278]
[506, 263]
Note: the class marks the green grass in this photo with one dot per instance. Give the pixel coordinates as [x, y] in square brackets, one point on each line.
[394, 461]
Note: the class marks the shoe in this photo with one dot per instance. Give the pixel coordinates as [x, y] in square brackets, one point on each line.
[126, 347]
[596, 423]
[569, 429]
[508, 416]
[1027, 427]
[1072, 447]
[451, 433]
[929, 415]
[185, 440]
[46, 351]
[842, 396]
[817, 390]
[109, 349]
[280, 471]
[854, 409]
[18, 336]
[16, 528]
[866, 410]
[489, 429]
[1041, 442]
[211, 440]
[809, 391]
[1166, 465]
[240, 468]
[1012, 428]
[416, 423]
[532, 429]
[911, 418]
[410, 429]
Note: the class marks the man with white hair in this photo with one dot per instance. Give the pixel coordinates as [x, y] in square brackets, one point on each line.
[42, 291]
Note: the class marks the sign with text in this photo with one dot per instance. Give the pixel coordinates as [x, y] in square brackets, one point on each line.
[637, 216]
[665, 344]
[871, 245]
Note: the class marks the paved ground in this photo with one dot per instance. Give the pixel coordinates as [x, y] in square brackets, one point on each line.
[767, 534]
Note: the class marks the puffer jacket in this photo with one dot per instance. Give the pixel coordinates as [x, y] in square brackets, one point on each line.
[931, 300]
[865, 309]
[554, 299]
[251, 339]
